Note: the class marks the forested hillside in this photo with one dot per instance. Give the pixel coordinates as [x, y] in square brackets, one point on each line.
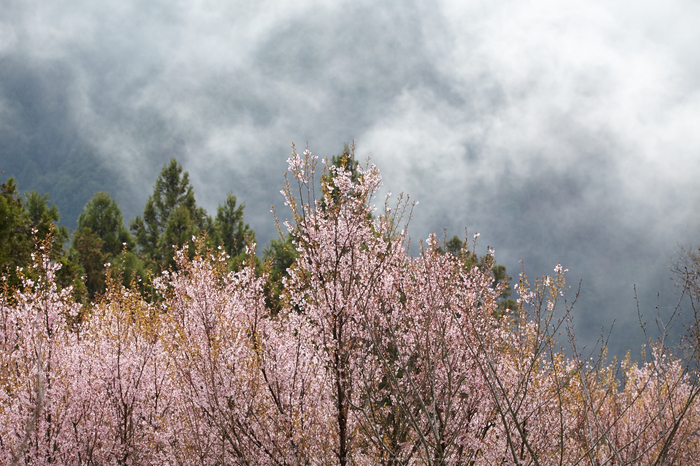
[41, 147]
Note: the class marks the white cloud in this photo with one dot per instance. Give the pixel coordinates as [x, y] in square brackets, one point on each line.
[537, 122]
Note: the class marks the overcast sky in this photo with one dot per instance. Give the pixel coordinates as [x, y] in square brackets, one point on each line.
[561, 131]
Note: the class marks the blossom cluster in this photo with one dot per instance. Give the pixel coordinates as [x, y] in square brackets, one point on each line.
[376, 357]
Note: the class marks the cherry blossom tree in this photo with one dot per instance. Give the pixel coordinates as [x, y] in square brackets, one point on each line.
[128, 380]
[371, 355]
[35, 371]
[246, 390]
[343, 265]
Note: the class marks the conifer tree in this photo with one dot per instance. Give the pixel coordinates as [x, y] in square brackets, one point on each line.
[171, 216]
[231, 231]
[14, 229]
[104, 218]
[101, 238]
[344, 161]
[28, 220]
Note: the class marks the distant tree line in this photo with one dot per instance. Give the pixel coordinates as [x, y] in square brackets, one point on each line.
[171, 218]
[171, 221]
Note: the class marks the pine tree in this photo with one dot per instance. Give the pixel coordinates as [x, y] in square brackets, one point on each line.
[25, 222]
[171, 217]
[104, 218]
[230, 230]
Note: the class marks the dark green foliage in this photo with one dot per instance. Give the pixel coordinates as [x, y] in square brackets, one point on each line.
[279, 256]
[25, 224]
[89, 249]
[171, 217]
[456, 247]
[500, 275]
[345, 160]
[179, 230]
[230, 229]
[103, 217]
[132, 271]
[15, 249]
[44, 219]
[101, 238]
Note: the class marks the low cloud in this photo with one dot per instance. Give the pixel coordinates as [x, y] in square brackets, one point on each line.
[562, 132]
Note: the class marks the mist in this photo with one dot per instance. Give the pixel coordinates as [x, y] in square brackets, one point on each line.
[562, 132]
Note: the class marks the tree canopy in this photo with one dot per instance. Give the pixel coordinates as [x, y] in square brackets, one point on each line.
[104, 218]
[171, 216]
[171, 219]
[370, 356]
[26, 221]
